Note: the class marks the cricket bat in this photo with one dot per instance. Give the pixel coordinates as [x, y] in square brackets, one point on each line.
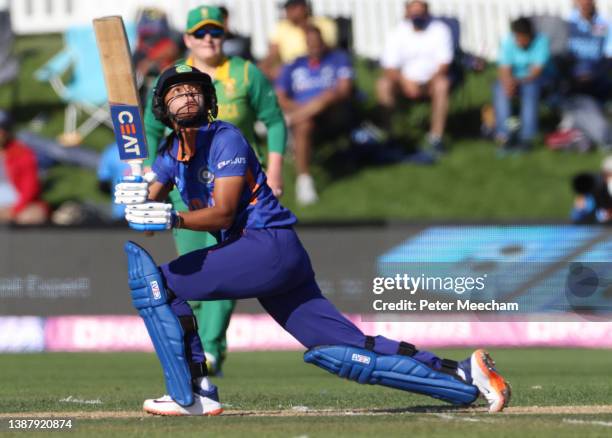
[123, 98]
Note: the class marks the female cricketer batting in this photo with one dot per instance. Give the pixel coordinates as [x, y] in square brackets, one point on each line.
[259, 256]
[244, 95]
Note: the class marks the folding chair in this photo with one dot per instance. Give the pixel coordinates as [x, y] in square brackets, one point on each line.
[85, 92]
[9, 65]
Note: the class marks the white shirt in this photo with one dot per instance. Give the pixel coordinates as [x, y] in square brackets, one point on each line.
[418, 54]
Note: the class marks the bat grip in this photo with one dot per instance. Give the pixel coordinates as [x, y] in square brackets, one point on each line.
[136, 167]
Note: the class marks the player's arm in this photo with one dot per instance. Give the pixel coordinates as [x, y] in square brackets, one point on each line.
[158, 192]
[263, 101]
[221, 216]
[270, 65]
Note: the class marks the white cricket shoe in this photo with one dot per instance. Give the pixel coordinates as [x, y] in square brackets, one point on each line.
[205, 403]
[489, 382]
[305, 191]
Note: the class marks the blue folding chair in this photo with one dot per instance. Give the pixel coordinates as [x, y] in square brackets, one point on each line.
[85, 92]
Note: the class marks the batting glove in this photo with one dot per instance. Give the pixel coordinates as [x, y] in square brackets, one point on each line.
[134, 189]
[152, 216]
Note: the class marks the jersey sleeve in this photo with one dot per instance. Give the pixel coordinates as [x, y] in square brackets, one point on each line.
[163, 168]
[392, 53]
[229, 154]
[444, 53]
[345, 66]
[541, 51]
[283, 82]
[263, 100]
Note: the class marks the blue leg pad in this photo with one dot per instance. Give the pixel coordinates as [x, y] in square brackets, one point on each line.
[149, 297]
[394, 371]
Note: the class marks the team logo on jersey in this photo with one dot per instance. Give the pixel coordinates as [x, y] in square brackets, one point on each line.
[205, 176]
[229, 87]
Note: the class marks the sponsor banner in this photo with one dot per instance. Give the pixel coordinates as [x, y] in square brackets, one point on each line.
[96, 333]
[249, 332]
[21, 334]
[582, 334]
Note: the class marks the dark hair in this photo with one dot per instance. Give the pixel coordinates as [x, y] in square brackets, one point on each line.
[224, 12]
[522, 25]
[314, 29]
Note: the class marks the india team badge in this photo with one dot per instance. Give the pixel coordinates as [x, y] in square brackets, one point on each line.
[205, 176]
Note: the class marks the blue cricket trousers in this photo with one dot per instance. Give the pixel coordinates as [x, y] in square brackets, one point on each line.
[270, 265]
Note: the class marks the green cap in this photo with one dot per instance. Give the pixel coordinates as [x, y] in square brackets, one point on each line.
[203, 15]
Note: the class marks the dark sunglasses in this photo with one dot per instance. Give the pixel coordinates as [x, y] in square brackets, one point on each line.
[214, 32]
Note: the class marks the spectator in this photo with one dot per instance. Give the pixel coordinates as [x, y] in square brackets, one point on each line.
[110, 171]
[315, 93]
[590, 48]
[235, 44]
[590, 51]
[593, 196]
[288, 40]
[524, 55]
[416, 60]
[19, 184]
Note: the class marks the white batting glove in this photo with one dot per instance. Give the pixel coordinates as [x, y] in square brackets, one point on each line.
[151, 216]
[134, 189]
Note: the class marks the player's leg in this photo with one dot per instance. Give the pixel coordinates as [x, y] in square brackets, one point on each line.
[213, 316]
[339, 346]
[439, 90]
[173, 331]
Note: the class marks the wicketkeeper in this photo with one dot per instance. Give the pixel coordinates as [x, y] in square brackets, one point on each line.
[260, 256]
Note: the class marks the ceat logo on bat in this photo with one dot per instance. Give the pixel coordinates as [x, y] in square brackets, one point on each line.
[129, 134]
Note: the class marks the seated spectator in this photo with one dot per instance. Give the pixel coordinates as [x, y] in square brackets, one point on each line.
[288, 40]
[416, 60]
[315, 94]
[523, 57]
[590, 48]
[235, 44]
[19, 184]
[589, 61]
[593, 196]
[110, 171]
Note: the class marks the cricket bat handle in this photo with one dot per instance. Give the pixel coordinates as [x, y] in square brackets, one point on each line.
[136, 167]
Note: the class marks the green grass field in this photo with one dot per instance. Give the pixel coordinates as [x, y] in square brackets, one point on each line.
[469, 183]
[555, 393]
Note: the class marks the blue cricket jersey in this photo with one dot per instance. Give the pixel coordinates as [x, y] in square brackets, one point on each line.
[222, 151]
[302, 80]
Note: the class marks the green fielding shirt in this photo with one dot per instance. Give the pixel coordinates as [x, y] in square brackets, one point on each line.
[244, 95]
